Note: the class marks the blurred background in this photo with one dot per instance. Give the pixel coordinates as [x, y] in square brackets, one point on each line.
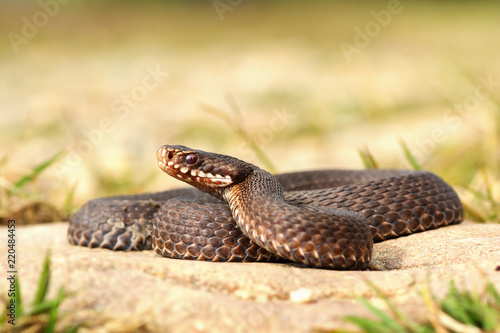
[90, 89]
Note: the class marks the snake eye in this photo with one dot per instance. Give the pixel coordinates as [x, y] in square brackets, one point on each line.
[191, 159]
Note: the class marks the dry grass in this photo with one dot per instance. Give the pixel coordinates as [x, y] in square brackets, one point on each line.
[271, 58]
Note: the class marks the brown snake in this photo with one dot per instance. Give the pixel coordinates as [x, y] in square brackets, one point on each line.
[326, 219]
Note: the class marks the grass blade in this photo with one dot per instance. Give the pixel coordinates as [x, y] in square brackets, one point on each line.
[368, 159]
[68, 201]
[488, 185]
[54, 311]
[43, 281]
[454, 304]
[37, 170]
[409, 156]
[490, 290]
[14, 190]
[18, 299]
[385, 319]
[43, 307]
[367, 325]
[432, 309]
[397, 314]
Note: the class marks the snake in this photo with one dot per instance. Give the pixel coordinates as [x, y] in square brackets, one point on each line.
[238, 212]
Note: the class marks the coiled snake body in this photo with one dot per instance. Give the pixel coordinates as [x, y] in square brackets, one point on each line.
[326, 219]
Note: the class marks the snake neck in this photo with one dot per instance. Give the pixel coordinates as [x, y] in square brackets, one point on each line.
[248, 199]
[314, 236]
[251, 197]
[258, 206]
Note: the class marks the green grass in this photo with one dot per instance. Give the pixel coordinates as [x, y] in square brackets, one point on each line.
[24, 189]
[42, 314]
[368, 159]
[409, 156]
[458, 311]
[17, 187]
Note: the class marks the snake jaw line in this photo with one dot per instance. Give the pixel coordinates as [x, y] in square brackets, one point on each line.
[188, 173]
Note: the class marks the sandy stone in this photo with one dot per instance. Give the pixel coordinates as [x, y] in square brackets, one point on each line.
[130, 291]
[462, 244]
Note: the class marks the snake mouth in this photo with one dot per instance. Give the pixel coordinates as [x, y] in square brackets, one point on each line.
[191, 166]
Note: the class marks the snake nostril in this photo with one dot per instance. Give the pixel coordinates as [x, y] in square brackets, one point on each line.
[170, 155]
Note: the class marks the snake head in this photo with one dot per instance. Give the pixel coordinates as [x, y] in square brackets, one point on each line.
[209, 172]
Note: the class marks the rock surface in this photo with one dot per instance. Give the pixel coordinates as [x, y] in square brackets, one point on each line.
[120, 291]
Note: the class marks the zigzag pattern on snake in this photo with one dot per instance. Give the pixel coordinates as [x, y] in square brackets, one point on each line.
[239, 212]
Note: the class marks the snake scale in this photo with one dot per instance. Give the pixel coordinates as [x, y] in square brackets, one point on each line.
[239, 212]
